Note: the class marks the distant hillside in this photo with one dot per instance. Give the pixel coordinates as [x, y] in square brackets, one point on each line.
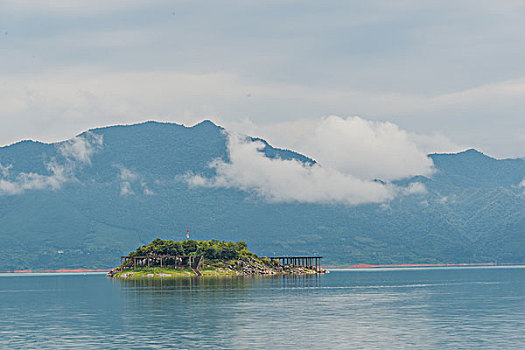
[83, 204]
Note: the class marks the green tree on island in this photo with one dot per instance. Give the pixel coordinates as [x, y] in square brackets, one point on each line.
[211, 250]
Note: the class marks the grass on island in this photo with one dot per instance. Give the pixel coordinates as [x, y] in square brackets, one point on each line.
[149, 272]
[163, 272]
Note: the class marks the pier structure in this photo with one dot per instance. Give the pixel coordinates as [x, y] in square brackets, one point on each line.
[162, 260]
[310, 262]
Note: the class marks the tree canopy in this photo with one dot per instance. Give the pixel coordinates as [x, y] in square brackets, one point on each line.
[213, 249]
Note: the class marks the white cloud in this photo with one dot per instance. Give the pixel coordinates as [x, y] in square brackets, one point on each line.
[353, 145]
[413, 188]
[278, 180]
[32, 181]
[125, 189]
[127, 174]
[447, 199]
[4, 170]
[128, 178]
[81, 148]
[366, 149]
[76, 151]
[145, 189]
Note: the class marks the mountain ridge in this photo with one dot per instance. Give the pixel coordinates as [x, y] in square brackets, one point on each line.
[128, 193]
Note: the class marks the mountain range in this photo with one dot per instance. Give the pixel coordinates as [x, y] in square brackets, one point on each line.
[84, 202]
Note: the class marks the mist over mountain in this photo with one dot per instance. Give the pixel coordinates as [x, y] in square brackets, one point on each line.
[86, 201]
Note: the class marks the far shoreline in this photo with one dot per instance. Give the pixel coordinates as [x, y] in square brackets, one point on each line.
[57, 271]
[389, 266]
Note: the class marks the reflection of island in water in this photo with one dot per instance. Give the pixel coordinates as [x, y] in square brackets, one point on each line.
[190, 258]
[220, 286]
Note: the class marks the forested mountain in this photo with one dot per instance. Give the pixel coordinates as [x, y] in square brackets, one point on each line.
[86, 201]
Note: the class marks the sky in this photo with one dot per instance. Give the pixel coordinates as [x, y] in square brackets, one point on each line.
[415, 76]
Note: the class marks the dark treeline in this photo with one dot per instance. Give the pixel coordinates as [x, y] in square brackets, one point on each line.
[209, 249]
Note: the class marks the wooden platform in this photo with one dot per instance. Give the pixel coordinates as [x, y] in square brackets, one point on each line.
[311, 262]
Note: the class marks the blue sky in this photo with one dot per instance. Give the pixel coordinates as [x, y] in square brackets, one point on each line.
[449, 73]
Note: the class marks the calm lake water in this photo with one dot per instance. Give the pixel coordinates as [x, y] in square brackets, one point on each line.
[462, 308]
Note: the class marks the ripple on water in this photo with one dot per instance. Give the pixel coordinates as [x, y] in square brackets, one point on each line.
[421, 309]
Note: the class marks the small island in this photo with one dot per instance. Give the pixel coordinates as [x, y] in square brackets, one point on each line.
[190, 258]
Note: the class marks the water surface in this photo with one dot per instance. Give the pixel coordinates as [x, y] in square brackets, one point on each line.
[428, 308]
